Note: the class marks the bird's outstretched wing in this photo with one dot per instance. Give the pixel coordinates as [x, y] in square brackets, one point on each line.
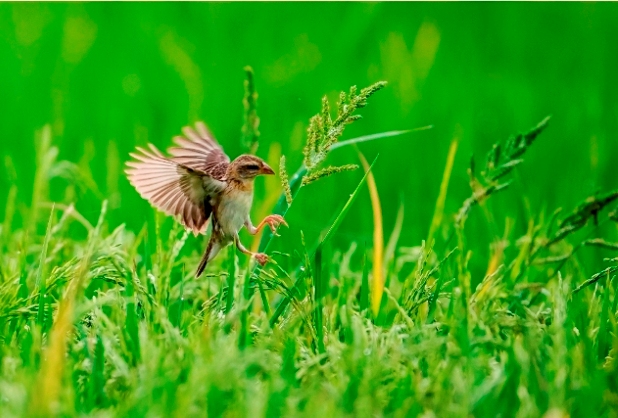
[199, 150]
[175, 188]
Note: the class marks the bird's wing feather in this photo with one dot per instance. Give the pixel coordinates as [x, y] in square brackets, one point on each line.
[199, 150]
[174, 188]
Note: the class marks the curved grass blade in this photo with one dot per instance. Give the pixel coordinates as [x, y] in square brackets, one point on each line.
[364, 290]
[377, 285]
[286, 301]
[438, 213]
[41, 281]
[52, 369]
[372, 137]
[282, 207]
[347, 206]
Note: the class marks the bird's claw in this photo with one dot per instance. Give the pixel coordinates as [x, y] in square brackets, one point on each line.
[261, 258]
[274, 221]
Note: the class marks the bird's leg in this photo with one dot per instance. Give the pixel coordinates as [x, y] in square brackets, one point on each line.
[250, 228]
[260, 257]
[273, 221]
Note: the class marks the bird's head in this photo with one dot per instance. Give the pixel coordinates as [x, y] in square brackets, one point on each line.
[247, 167]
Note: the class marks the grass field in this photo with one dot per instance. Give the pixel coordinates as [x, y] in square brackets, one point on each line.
[465, 268]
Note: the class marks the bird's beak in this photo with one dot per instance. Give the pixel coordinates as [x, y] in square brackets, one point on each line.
[266, 169]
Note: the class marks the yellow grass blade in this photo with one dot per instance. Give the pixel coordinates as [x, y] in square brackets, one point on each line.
[52, 370]
[377, 284]
[498, 248]
[389, 252]
[438, 213]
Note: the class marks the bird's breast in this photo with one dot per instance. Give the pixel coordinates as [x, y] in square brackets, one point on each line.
[233, 210]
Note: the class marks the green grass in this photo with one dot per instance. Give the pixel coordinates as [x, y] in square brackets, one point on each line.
[493, 304]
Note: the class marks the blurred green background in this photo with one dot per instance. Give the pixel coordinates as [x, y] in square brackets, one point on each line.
[108, 77]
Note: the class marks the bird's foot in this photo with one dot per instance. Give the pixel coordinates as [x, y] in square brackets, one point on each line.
[273, 221]
[261, 258]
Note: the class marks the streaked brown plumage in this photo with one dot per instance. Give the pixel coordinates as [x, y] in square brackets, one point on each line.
[198, 182]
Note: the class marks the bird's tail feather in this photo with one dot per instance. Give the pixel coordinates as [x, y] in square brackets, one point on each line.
[202, 266]
[212, 249]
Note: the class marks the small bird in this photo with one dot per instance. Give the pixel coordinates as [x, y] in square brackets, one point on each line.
[198, 182]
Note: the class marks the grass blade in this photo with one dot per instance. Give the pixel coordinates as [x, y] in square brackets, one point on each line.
[53, 368]
[131, 321]
[41, 281]
[244, 336]
[373, 137]
[318, 294]
[347, 206]
[286, 301]
[377, 284]
[438, 213]
[231, 278]
[364, 290]
[391, 245]
[9, 212]
[282, 207]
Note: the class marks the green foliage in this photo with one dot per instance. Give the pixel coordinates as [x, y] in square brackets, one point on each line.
[515, 318]
[150, 340]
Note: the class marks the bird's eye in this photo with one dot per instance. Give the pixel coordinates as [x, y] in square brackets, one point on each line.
[252, 167]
